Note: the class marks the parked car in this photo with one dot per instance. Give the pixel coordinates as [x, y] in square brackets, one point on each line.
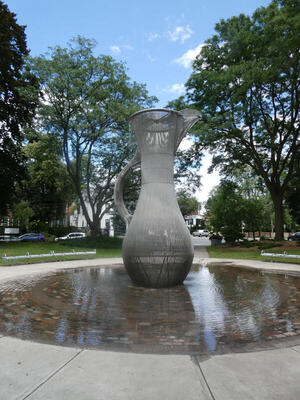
[32, 237]
[205, 233]
[73, 235]
[294, 236]
[201, 232]
[8, 238]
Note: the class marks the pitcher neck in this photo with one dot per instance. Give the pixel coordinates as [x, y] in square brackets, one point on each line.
[157, 168]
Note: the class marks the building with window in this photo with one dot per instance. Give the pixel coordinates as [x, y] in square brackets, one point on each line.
[77, 218]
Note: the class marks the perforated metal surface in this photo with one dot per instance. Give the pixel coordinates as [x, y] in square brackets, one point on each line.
[157, 249]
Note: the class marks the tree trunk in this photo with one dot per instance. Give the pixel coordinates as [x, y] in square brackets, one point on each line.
[279, 214]
[95, 230]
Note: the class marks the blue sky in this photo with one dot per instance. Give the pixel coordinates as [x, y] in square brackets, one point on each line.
[156, 39]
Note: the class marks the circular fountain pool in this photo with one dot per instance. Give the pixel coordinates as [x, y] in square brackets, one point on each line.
[218, 309]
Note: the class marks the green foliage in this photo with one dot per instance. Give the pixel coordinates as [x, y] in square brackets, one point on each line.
[18, 91]
[257, 202]
[101, 242]
[48, 186]
[187, 203]
[293, 197]
[23, 212]
[231, 232]
[250, 254]
[226, 208]
[61, 230]
[21, 248]
[193, 228]
[268, 245]
[245, 82]
[247, 244]
[38, 226]
[87, 102]
[260, 245]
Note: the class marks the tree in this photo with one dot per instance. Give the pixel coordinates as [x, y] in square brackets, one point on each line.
[226, 209]
[258, 210]
[18, 91]
[48, 187]
[293, 196]
[245, 81]
[187, 203]
[87, 102]
[22, 213]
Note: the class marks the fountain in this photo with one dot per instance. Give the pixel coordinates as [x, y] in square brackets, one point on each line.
[218, 309]
[162, 305]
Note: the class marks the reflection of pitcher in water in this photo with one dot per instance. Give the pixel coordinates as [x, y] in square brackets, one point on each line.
[159, 317]
[157, 249]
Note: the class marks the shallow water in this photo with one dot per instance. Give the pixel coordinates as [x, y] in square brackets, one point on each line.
[218, 309]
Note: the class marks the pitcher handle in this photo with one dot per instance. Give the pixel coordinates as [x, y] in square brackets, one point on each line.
[119, 188]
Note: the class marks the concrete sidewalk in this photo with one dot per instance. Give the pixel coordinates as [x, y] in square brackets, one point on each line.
[33, 371]
[37, 371]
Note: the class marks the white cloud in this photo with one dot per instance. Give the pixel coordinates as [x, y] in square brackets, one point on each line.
[189, 56]
[152, 36]
[176, 88]
[181, 33]
[115, 49]
[128, 47]
[150, 58]
[208, 181]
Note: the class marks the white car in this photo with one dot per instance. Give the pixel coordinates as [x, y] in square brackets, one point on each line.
[201, 232]
[73, 235]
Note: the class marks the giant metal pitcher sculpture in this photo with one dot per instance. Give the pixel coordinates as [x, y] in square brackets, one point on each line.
[157, 249]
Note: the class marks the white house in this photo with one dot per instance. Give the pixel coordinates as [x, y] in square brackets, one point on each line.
[78, 219]
[193, 220]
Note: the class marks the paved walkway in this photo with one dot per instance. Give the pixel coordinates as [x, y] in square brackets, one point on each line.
[35, 371]
[200, 252]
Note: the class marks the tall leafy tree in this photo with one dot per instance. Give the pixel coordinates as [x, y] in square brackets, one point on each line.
[17, 102]
[246, 83]
[48, 187]
[86, 103]
[226, 208]
[293, 196]
[258, 210]
[187, 203]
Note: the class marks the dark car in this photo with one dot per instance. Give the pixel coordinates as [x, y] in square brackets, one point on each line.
[294, 236]
[32, 237]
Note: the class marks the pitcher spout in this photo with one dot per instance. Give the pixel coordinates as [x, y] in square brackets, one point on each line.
[190, 117]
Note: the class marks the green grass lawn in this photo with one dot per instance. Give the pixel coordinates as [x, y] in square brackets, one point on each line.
[105, 247]
[224, 251]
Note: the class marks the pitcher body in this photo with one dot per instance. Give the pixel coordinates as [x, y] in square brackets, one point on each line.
[157, 248]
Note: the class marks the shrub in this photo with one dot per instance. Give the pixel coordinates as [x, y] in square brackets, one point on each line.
[264, 246]
[215, 236]
[247, 243]
[100, 242]
[231, 233]
[62, 230]
[38, 226]
[193, 229]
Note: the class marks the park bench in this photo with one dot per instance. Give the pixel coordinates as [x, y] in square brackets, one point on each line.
[281, 255]
[51, 254]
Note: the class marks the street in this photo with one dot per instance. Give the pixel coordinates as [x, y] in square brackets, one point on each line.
[200, 241]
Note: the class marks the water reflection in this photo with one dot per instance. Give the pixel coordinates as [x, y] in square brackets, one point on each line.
[217, 309]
